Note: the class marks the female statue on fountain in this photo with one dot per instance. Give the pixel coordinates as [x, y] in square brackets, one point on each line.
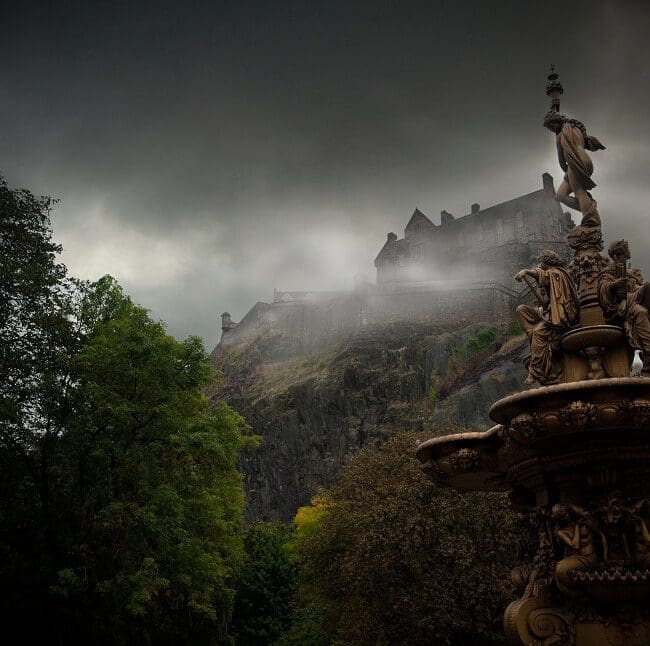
[572, 143]
[545, 323]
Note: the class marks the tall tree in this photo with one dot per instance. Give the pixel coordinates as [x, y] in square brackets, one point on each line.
[36, 338]
[121, 498]
[266, 586]
[387, 557]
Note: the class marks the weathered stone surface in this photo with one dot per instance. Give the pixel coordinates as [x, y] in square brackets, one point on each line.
[490, 243]
[314, 411]
[469, 405]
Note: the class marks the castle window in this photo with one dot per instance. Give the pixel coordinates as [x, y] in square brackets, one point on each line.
[519, 219]
[479, 232]
[499, 229]
[461, 239]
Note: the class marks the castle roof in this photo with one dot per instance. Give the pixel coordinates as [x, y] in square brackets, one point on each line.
[392, 248]
[418, 221]
[465, 235]
[529, 201]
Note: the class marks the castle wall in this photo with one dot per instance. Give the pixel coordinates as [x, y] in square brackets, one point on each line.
[450, 303]
[322, 323]
[483, 241]
[476, 255]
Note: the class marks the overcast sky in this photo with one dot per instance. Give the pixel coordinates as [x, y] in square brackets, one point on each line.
[207, 152]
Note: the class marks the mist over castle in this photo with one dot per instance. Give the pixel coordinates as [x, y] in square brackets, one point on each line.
[459, 270]
[325, 323]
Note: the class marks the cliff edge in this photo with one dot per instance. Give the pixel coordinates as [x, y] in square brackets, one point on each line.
[314, 410]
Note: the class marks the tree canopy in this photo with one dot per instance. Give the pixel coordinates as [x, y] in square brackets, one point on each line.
[121, 501]
[266, 586]
[387, 557]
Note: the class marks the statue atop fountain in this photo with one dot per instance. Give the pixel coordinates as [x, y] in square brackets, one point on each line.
[572, 143]
[574, 453]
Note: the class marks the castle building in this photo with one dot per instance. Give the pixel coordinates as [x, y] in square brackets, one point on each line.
[460, 270]
[489, 244]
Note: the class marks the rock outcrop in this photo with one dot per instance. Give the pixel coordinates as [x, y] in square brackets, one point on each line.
[312, 412]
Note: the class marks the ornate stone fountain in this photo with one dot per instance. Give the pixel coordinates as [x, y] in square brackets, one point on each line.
[574, 453]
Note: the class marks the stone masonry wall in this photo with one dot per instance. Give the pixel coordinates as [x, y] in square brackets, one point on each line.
[314, 325]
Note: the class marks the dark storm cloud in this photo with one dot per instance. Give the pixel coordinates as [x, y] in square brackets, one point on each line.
[208, 152]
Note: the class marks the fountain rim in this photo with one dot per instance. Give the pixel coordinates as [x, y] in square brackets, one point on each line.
[503, 410]
[448, 443]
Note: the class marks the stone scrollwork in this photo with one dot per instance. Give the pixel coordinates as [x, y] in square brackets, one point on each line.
[550, 626]
[527, 427]
[535, 622]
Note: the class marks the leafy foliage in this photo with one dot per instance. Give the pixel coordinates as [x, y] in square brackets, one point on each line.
[479, 343]
[468, 357]
[266, 586]
[386, 557]
[121, 498]
[513, 328]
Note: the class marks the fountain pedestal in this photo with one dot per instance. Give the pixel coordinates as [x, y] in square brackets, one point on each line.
[575, 458]
[574, 454]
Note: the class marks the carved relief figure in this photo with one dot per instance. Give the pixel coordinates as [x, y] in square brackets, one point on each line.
[572, 143]
[614, 522]
[575, 531]
[639, 512]
[545, 323]
[625, 298]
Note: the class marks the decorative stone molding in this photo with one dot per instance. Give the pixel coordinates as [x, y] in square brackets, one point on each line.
[535, 622]
[585, 238]
[578, 415]
[525, 428]
[465, 460]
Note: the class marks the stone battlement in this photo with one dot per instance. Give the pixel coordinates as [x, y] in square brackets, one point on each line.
[317, 322]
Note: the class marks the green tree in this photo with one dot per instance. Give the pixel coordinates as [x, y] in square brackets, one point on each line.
[122, 501]
[266, 586]
[37, 336]
[387, 557]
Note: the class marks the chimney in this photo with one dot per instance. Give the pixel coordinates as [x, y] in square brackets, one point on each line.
[391, 237]
[445, 218]
[226, 322]
[547, 183]
[476, 207]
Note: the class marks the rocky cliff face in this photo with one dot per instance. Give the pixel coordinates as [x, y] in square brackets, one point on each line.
[314, 411]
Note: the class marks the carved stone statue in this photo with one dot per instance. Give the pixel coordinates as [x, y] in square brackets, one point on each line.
[545, 323]
[574, 456]
[625, 298]
[572, 143]
[575, 531]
